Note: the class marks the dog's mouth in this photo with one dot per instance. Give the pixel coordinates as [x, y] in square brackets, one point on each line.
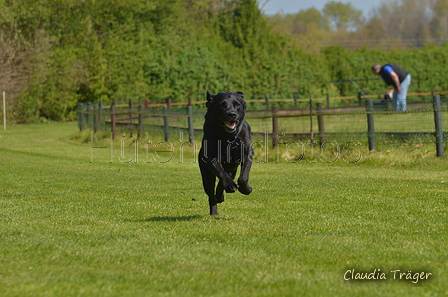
[230, 126]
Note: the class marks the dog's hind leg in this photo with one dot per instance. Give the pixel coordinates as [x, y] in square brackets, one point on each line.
[213, 209]
[208, 181]
[209, 188]
[220, 193]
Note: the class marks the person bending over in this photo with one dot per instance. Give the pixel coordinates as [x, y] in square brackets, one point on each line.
[397, 77]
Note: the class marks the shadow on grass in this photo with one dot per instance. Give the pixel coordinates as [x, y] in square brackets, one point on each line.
[169, 219]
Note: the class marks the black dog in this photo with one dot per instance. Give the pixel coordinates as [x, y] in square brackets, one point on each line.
[225, 145]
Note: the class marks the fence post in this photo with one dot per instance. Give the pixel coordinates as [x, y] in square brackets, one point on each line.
[130, 114]
[113, 120]
[274, 126]
[371, 125]
[296, 101]
[165, 123]
[88, 115]
[268, 104]
[81, 116]
[4, 111]
[320, 123]
[311, 123]
[168, 103]
[140, 119]
[438, 125]
[190, 123]
[95, 118]
[100, 118]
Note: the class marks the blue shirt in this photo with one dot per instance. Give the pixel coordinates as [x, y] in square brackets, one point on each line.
[388, 69]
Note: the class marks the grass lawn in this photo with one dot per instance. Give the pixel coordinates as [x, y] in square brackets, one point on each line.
[69, 227]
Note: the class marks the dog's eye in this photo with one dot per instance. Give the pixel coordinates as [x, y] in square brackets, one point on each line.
[223, 104]
[236, 104]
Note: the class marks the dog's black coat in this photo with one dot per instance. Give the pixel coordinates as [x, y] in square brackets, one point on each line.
[225, 145]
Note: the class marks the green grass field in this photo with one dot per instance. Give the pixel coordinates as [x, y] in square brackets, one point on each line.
[69, 227]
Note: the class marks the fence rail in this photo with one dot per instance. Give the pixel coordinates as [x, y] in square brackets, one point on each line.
[372, 122]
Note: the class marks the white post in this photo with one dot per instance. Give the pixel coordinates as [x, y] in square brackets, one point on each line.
[4, 110]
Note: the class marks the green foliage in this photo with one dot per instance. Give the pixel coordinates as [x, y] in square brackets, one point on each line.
[81, 51]
[427, 67]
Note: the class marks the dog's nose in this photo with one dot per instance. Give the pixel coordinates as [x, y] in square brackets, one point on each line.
[232, 114]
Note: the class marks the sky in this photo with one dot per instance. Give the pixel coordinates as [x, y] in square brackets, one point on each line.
[293, 6]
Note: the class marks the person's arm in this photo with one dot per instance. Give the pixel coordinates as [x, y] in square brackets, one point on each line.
[396, 81]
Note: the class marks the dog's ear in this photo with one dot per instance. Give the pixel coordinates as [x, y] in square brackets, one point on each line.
[242, 99]
[210, 96]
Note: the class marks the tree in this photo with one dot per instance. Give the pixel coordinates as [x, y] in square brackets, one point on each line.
[405, 21]
[309, 19]
[439, 23]
[342, 16]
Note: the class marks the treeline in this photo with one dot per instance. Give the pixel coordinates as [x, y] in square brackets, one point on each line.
[55, 54]
[392, 24]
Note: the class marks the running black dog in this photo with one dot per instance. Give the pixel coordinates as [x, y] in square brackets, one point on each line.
[225, 145]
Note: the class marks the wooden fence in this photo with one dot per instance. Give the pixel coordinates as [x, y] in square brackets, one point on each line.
[132, 116]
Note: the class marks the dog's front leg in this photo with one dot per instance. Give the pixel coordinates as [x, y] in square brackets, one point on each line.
[243, 180]
[229, 185]
[212, 157]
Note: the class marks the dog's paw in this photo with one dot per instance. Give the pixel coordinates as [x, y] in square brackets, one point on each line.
[244, 188]
[214, 210]
[231, 187]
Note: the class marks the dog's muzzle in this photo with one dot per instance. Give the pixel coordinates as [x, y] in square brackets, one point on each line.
[230, 126]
